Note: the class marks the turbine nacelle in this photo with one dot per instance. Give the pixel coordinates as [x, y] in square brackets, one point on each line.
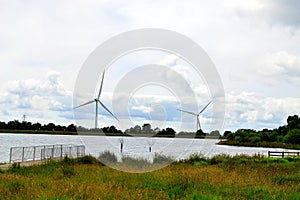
[97, 100]
[198, 125]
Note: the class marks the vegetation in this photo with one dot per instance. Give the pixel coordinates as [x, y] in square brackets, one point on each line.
[220, 177]
[28, 127]
[287, 136]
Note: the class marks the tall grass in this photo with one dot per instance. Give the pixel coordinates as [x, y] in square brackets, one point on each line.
[223, 177]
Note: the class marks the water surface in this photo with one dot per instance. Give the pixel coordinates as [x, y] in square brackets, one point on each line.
[179, 148]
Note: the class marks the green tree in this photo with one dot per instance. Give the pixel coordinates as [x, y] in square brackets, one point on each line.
[71, 128]
[49, 127]
[293, 122]
[293, 136]
[226, 133]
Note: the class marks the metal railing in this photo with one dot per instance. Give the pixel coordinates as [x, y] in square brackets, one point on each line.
[31, 153]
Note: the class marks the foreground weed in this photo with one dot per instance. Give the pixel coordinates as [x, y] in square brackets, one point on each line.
[248, 178]
[162, 159]
[108, 157]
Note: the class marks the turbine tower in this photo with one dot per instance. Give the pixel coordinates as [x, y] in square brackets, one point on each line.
[97, 100]
[198, 126]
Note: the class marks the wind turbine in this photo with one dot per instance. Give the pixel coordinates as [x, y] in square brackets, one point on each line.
[198, 126]
[97, 100]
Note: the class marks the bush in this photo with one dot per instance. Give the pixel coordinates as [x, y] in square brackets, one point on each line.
[241, 158]
[162, 159]
[68, 170]
[220, 158]
[137, 162]
[108, 157]
[87, 160]
[68, 160]
[15, 167]
[195, 157]
[201, 163]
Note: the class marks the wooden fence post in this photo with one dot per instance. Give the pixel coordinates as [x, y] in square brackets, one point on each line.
[52, 152]
[34, 153]
[23, 154]
[10, 154]
[61, 153]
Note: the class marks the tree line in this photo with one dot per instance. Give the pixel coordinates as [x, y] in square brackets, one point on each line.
[286, 134]
[24, 125]
[145, 129]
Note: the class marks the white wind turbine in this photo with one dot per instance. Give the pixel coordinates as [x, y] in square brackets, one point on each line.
[97, 100]
[198, 126]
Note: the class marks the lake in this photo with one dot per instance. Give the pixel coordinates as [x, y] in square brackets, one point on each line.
[179, 148]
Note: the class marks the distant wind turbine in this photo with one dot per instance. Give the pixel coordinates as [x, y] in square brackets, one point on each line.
[198, 126]
[97, 100]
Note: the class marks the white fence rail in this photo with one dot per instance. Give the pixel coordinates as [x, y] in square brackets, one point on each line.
[30, 153]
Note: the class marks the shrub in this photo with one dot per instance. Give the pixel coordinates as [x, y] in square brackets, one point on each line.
[15, 167]
[195, 157]
[68, 160]
[139, 162]
[275, 160]
[68, 170]
[162, 159]
[87, 160]
[242, 158]
[220, 158]
[201, 163]
[108, 157]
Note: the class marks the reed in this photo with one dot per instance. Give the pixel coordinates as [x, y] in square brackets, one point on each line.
[223, 177]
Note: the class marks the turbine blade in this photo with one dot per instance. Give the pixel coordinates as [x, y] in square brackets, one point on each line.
[84, 104]
[204, 108]
[187, 112]
[107, 110]
[198, 121]
[101, 84]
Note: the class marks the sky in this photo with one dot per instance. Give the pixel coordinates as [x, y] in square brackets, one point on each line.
[254, 45]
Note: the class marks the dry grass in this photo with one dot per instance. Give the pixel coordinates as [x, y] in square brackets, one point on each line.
[75, 180]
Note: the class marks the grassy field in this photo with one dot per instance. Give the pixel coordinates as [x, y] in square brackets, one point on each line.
[221, 177]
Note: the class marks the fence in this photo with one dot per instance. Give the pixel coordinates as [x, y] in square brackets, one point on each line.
[282, 154]
[31, 153]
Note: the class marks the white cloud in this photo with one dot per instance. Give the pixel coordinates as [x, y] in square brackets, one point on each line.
[144, 109]
[272, 11]
[169, 60]
[51, 86]
[36, 97]
[254, 44]
[249, 110]
[280, 64]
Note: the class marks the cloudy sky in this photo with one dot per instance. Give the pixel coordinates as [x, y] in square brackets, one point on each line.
[253, 44]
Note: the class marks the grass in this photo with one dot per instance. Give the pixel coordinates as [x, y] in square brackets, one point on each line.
[220, 177]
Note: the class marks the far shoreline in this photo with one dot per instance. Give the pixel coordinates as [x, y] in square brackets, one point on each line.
[221, 142]
[42, 132]
[262, 144]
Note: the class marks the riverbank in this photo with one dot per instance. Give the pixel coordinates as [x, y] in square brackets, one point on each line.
[223, 177]
[37, 132]
[260, 144]
[102, 134]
